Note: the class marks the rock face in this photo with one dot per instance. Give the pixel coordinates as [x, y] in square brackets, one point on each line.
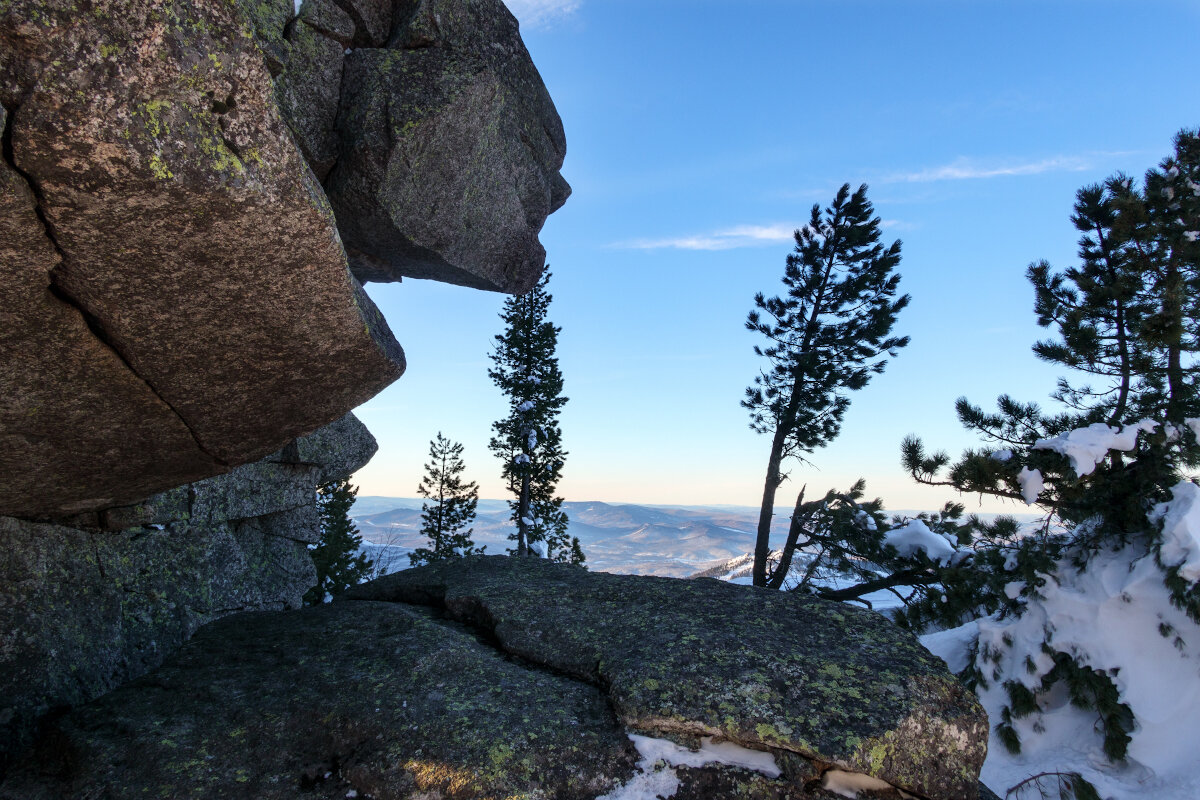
[84, 610]
[502, 677]
[183, 237]
[177, 298]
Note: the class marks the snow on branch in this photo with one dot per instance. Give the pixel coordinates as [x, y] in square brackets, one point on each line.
[1086, 447]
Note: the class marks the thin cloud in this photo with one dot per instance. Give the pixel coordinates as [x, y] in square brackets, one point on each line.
[728, 239]
[542, 13]
[971, 169]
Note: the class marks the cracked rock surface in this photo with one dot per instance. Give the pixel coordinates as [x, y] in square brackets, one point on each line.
[515, 678]
[374, 697]
[183, 237]
[834, 684]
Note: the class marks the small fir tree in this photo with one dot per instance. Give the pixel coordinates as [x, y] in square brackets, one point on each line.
[528, 439]
[451, 507]
[828, 335]
[336, 556]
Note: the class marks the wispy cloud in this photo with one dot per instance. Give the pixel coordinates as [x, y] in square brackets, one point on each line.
[972, 169]
[542, 13]
[728, 239]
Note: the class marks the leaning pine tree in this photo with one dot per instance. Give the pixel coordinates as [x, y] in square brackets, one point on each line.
[450, 507]
[528, 439]
[336, 557]
[828, 335]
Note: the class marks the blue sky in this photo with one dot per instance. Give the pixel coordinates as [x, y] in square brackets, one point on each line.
[700, 134]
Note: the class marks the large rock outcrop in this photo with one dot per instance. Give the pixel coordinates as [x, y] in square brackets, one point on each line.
[83, 610]
[504, 677]
[178, 180]
[182, 236]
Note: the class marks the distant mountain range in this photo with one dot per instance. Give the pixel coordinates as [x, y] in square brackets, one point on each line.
[676, 541]
[634, 539]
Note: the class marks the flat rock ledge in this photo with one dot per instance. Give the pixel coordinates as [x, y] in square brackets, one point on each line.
[500, 677]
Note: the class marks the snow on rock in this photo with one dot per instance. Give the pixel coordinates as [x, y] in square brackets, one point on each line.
[1112, 616]
[658, 778]
[1031, 483]
[1181, 530]
[849, 784]
[953, 645]
[1086, 447]
[915, 537]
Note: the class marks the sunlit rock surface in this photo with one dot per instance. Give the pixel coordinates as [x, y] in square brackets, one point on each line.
[183, 237]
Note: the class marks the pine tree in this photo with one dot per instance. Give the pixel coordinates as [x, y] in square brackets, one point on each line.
[452, 507]
[1129, 316]
[828, 335]
[338, 562]
[528, 439]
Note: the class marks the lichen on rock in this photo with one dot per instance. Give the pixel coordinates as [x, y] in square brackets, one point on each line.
[769, 670]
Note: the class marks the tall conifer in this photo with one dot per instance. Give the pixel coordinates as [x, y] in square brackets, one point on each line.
[528, 439]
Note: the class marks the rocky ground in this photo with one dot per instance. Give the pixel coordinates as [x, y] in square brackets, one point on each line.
[504, 677]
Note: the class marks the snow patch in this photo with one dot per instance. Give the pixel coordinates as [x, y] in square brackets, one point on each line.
[1112, 617]
[849, 784]
[657, 778]
[1086, 447]
[1002, 455]
[1181, 530]
[1031, 483]
[915, 537]
[953, 645]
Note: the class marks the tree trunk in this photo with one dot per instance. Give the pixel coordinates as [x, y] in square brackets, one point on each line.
[523, 548]
[789, 547]
[762, 543]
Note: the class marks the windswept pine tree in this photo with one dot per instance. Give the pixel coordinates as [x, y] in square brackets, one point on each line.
[336, 557]
[528, 439]
[446, 518]
[828, 334]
